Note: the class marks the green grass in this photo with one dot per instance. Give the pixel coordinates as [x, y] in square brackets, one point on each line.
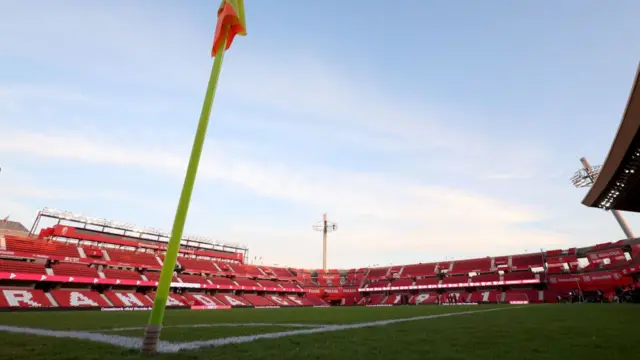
[536, 332]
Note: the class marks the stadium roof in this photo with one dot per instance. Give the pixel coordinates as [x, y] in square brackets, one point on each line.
[618, 184]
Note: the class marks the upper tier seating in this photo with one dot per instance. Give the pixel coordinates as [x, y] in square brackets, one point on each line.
[222, 281]
[418, 270]
[253, 271]
[246, 282]
[378, 284]
[485, 278]
[455, 280]
[523, 262]
[133, 257]
[376, 273]
[269, 284]
[194, 279]
[155, 276]
[121, 274]
[66, 269]
[519, 275]
[473, 265]
[282, 274]
[428, 281]
[37, 246]
[14, 266]
[198, 265]
[402, 282]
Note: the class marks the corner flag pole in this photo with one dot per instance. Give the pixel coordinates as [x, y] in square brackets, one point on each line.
[154, 327]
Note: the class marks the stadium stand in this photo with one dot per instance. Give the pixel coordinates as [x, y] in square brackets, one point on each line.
[26, 261]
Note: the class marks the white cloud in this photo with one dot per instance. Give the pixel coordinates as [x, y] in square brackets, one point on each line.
[308, 95]
[380, 212]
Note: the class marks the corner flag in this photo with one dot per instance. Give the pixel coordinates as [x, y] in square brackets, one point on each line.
[231, 22]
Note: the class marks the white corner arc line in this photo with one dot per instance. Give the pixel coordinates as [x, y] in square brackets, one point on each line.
[120, 341]
[216, 325]
[175, 347]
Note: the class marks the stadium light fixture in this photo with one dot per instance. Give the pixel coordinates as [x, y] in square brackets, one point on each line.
[586, 177]
[326, 227]
[80, 218]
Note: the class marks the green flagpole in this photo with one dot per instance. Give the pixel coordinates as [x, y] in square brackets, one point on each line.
[154, 327]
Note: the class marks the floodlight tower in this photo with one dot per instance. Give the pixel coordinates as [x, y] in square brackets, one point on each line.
[586, 177]
[326, 227]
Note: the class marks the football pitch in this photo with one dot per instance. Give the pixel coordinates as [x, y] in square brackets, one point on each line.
[403, 332]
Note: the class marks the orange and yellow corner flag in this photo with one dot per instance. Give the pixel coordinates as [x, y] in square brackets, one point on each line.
[230, 13]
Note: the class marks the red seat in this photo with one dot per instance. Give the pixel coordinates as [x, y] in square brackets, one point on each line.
[473, 265]
[247, 282]
[232, 300]
[524, 262]
[425, 298]
[485, 296]
[402, 282]
[194, 279]
[522, 295]
[418, 270]
[133, 257]
[202, 299]
[121, 274]
[316, 301]
[269, 284]
[198, 265]
[24, 298]
[155, 276]
[38, 246]
[257, 300]
[127, 299]
[78, 298]
[65, 269]
[14, 266]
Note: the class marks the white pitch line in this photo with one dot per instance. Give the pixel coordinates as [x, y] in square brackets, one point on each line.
[171, 347]
[215, 325]
[121, 341]
[175, 347]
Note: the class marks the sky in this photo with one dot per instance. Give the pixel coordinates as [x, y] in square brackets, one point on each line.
[431, 131]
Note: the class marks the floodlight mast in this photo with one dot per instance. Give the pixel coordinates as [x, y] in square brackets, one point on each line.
[326, 227]
[586, 177]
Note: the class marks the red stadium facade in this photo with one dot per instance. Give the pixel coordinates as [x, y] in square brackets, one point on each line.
[75, 267]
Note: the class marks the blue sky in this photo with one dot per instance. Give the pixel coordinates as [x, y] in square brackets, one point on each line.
[429, 131]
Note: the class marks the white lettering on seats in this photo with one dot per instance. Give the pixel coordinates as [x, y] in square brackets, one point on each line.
[79, 299]
[485, 296]
[171, 301]
[279, 301]
[233, 302]
[204, 300]
[129, 299]
[296, 300]
[398, 299]
[19, 298]
[421, 298]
